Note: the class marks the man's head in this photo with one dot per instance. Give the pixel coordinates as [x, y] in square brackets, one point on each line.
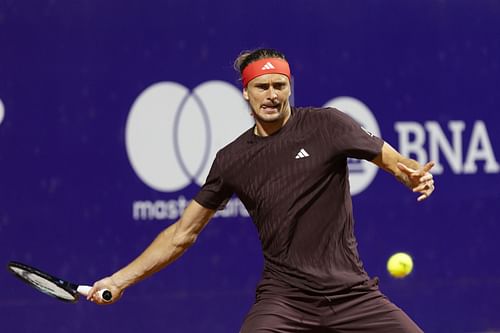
[251, 64]
[265, 74]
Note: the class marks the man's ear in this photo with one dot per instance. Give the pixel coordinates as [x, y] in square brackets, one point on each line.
[245, 94]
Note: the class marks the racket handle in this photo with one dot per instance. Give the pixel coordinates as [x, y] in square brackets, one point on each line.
[105, 294]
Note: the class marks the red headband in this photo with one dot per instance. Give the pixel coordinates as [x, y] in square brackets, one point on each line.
[265, 66]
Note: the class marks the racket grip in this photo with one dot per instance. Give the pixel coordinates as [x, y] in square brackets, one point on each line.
[105, 294]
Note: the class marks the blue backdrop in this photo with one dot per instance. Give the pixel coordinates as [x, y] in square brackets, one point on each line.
[110, 113]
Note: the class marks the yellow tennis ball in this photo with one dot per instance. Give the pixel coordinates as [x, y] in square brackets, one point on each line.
[400, 265]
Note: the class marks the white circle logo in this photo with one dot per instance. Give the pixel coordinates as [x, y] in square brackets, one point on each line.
[2, 111]
[361, 172]
[172, 134]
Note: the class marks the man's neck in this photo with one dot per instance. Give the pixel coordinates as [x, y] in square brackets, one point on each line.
[264, 129]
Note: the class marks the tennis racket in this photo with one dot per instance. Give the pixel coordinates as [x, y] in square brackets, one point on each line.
[51, 285]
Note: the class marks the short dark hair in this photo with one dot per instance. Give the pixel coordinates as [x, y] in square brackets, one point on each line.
[247, 57]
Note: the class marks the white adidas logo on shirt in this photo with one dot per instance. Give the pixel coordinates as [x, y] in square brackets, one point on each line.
[267, 66]
[302, 154]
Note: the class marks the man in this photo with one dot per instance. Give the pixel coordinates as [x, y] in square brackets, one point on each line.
[290, 171]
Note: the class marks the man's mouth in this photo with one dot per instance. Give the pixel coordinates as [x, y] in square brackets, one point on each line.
[270, 107]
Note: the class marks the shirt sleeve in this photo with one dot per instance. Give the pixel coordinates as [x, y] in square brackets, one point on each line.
[215, 193]
[352, 139]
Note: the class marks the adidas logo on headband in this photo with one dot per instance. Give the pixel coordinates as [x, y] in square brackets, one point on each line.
[267, 66]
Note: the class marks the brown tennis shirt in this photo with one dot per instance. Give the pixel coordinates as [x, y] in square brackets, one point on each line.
[295, 186]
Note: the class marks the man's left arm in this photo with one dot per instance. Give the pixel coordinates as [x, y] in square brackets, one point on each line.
[409, 172]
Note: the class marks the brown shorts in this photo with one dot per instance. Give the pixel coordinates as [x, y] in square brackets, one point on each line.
[360, 309]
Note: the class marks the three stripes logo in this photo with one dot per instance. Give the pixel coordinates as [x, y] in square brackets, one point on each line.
[302, 154]
[267, 66]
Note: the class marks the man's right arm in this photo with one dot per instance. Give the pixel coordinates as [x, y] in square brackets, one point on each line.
[169, 245]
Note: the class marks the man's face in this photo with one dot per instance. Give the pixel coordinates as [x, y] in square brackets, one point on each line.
[268, 97]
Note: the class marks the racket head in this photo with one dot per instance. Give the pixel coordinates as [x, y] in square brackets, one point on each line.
[44, 282]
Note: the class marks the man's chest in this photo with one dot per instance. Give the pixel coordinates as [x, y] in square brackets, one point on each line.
[270, 168]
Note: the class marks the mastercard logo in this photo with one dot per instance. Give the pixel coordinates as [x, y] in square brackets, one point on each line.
[173, 133]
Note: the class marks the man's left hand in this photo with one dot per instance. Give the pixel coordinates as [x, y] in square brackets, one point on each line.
[420, 180]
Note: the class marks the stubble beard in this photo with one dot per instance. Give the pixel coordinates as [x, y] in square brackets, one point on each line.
[279, 116]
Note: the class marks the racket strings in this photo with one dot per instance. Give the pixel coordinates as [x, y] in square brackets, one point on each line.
[45, 285]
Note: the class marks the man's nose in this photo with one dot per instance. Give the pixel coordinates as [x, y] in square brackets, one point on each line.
[272, 93]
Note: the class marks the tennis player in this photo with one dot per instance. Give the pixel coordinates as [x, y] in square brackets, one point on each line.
[290, 171]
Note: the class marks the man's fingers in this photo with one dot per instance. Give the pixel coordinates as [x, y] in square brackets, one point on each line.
[428, 166]
[427, 185]
[405, 169]
[426, 190]
[425, 194]
[91, 293]
[420, 172]
[427, 177]
[422, 197]
[94, 295]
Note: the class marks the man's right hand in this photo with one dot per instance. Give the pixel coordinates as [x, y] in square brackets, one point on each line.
[106, 283]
